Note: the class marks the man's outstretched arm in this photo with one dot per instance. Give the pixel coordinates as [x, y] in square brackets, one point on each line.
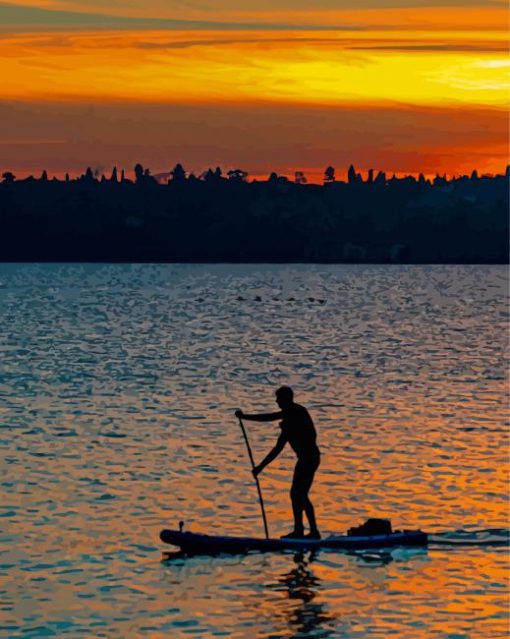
[260, 417]
[280, 444]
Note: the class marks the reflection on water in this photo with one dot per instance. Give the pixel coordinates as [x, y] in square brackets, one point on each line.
[117, 391]
[308, 618]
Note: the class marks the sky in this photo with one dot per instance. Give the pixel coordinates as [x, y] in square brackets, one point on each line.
[404, 86]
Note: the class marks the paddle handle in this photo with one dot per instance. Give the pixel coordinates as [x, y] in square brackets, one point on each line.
[250, 454]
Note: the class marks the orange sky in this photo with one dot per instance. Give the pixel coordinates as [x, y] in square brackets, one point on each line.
[399, 89]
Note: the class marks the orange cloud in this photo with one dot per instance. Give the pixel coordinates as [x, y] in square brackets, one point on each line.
[212, 67]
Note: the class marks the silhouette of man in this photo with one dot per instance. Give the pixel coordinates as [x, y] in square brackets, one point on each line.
[298, 430]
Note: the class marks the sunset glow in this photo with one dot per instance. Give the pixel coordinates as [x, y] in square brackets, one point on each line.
[409, 59]
[217, 67]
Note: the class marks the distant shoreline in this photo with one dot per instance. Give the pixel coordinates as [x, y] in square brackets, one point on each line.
[214, 220]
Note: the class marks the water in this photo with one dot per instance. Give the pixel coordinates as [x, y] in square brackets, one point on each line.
[117, 391]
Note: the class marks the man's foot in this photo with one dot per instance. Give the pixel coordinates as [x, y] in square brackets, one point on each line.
[313, 534]
[295, 534]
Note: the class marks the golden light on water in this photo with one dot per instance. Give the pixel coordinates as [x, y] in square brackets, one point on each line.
[125, 426]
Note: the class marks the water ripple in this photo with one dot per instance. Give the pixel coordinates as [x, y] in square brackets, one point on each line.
[118, 387]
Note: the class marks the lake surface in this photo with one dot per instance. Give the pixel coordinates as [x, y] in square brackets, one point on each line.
[117, 391]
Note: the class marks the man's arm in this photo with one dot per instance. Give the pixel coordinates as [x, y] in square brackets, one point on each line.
[280, 444]
[260, 417]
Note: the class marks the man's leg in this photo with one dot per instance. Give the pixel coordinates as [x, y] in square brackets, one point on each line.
[297, 511]
[307, 504]
[296, 496]
[301, 483]
[310, 515]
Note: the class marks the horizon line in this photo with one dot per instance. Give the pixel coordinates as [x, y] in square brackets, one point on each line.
[162, 176]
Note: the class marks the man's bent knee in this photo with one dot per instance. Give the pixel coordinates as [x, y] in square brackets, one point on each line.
[298, 496]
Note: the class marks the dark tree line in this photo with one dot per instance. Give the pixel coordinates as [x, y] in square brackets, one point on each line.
[180, 217]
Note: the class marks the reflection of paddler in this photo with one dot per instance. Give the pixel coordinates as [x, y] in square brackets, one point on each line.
[301, 583]
[298, 430]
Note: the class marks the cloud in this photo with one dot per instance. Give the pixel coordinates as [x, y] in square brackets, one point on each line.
[25, 18]
[216, 68]
[234, 7]
[325, 15]
[209, 42]
[366, 4]
[457, 47]
[31, 141]
[332, 43]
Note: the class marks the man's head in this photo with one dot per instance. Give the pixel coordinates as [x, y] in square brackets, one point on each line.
[284, 396]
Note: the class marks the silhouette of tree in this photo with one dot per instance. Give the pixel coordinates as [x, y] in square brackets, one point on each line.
[300, 177]
[44, 176]
[329, 175]
[370, 178]
[351, 175]
[474, 175]
[114, 178]
[138, 173]
[212, 176]
[380, 178]
[275, 179]
[8, 176]
[237, 175]
[178, 173]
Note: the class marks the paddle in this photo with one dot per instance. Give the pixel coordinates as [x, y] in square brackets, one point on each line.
[256, 478]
